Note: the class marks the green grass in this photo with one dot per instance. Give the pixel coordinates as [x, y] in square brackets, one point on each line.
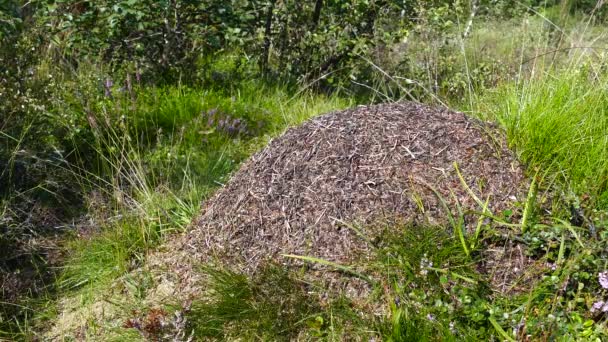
[271, 306]
[156, 159]
[558, 123]
[429, 275]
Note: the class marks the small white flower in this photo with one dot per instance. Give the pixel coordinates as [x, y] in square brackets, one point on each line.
[603, 279]
[424, 265]
[597, 306]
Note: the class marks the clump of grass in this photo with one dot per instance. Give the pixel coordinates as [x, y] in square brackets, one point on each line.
[558, 123]
[274, 304]
[270, 306]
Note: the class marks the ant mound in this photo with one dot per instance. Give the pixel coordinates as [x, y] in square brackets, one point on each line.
[364, 165]
[317, 188]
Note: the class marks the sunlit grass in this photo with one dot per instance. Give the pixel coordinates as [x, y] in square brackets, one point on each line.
[558, 123]
[154, 168]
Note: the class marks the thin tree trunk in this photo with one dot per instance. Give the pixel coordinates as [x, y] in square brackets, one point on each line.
[267, 34]
[467, 29]
[314, 23]
[316, 16]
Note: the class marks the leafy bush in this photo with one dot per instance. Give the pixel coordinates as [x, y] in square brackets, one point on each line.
[166, 40]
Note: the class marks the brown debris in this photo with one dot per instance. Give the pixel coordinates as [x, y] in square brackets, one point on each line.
[365, 165]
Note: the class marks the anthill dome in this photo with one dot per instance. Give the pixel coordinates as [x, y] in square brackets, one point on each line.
[370, 164]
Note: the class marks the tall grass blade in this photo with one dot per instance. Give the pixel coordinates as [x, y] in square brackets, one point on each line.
[337, 266]
[500, 330]
[529, 207]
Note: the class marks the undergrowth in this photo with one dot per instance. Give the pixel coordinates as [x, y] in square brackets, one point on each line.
[271, 306]
[156, 153]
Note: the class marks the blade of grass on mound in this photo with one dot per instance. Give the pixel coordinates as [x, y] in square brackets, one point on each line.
[337, 266]
[466, 186]
[500, 330]
[529, 205]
